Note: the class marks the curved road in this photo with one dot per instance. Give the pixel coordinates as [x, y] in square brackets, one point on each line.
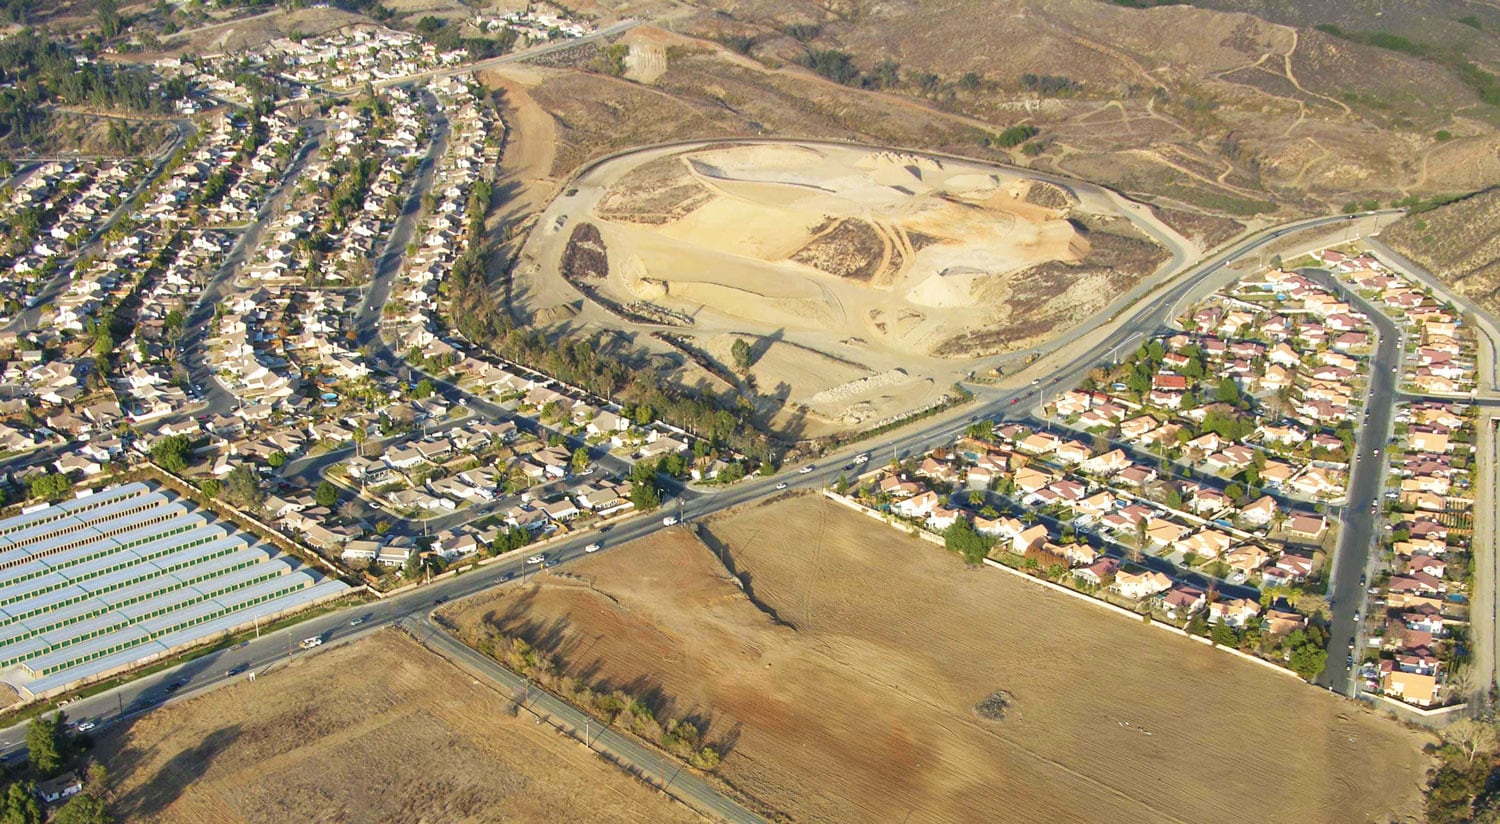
[1141, 318]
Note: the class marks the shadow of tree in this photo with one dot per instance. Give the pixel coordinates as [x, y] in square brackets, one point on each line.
[167, 785]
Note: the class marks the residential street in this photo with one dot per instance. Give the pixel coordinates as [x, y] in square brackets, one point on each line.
[1359, 525]
[31, 315]
[195, 329]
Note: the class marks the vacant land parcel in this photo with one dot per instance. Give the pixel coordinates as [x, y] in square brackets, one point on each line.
[850, 692]
[376, 731]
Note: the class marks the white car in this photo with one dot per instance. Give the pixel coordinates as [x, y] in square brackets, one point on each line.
[668, 521]
[592, 548]
[536, 559]
[781, 485]
[804, 470]
[85, 726]
[309, 643]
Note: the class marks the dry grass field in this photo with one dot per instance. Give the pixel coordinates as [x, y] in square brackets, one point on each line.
[844, 682]
[376, 731]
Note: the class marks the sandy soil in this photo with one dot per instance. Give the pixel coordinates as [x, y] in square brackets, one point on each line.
[376, 731]
[898, 262]
[858, 705]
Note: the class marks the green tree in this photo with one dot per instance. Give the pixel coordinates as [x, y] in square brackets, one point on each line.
[424, 388]
[276, 459]
[413, 568]
[580, 459]
[326, 494]
[50, 485]
[20, 805]
[963, 539]
[644, 496]
[1307, 659]
[242, 487]
[110, 24]
[210, 488]
[740, 351]
[44, 744]
[171, 453]
[84, 809]
[1228, 391]
[1223, 635]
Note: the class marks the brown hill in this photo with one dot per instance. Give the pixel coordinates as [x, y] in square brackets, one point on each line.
[1459, 242]
[1222, 111]
[1456, 24]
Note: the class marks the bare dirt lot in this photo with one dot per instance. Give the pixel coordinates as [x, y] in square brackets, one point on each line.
[380, 730]
[850, 692]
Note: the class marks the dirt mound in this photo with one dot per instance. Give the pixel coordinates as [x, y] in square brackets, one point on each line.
[852, 249]
[1049, 195]
[662, 191]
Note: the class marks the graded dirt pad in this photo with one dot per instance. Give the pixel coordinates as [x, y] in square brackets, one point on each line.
[902, 263]
[865, 685]
[376, 731]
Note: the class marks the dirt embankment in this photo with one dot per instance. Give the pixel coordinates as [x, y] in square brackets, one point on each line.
[1459, 242]
[376, 731]
[895, 684]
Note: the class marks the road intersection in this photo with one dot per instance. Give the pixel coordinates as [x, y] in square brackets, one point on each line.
[1071, 358]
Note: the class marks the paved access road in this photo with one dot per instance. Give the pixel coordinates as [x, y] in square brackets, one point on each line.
[655, 768]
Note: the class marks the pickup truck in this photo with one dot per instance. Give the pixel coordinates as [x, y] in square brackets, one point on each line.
[309, 643]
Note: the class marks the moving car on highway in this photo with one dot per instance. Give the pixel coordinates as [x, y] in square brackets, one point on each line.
[592, 548]
[536, 559]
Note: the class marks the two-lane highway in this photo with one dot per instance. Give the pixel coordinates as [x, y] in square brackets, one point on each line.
[1145, 317]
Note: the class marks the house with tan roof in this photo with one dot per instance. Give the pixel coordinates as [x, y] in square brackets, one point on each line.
[1235, 612]
[1411, 687]
[1138, 584]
